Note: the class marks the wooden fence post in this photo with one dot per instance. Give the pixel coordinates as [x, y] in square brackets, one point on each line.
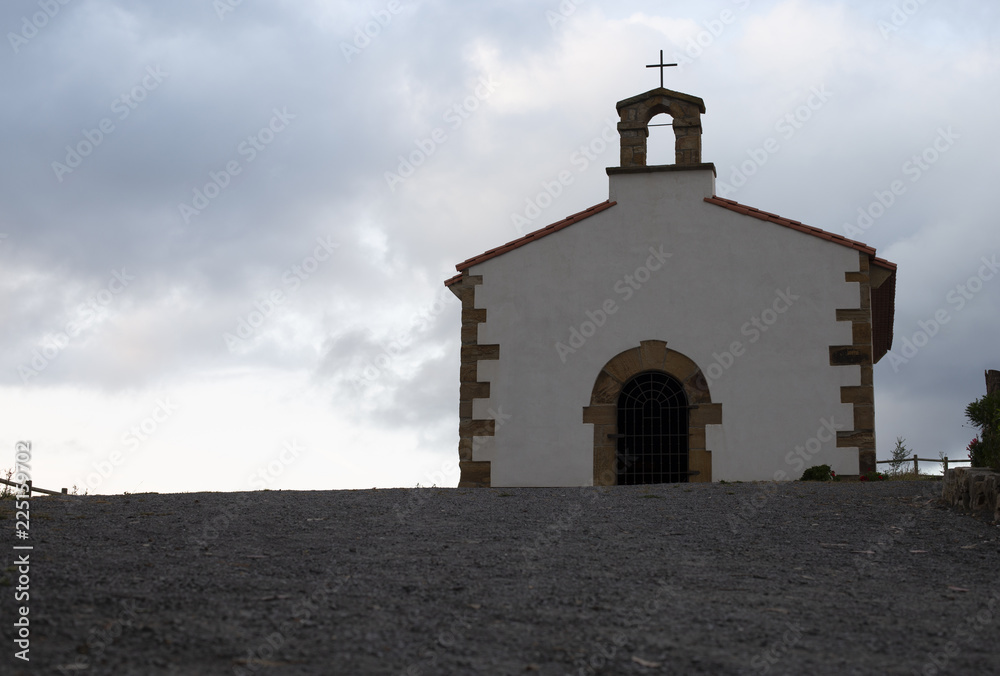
[945, 465]
[916, 467]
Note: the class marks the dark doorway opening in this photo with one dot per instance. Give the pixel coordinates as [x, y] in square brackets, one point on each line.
[652, 430]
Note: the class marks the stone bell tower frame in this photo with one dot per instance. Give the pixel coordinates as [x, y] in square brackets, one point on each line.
[636, 112]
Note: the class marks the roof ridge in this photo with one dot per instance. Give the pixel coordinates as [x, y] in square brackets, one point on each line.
[798, 225]
[732, 205]
[534, 235]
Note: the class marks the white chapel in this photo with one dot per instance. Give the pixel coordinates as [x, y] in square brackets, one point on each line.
[669, 335]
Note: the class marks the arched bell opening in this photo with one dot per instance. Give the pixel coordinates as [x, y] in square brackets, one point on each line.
[661, 141]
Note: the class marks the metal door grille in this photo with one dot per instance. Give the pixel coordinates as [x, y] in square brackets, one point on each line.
[652, 430]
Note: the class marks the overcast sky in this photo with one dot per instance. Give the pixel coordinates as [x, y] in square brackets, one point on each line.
[224, 225]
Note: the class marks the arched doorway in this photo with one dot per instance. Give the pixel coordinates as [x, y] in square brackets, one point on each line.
[602, 413]
[652, 430]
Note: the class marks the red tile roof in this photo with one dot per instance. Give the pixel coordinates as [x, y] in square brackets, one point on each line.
[801, 227]
[881, 262]
[530, 237]
[883, 298]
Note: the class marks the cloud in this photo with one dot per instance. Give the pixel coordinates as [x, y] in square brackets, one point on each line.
[268, 89]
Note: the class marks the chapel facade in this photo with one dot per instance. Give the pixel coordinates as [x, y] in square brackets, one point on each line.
[669, 335]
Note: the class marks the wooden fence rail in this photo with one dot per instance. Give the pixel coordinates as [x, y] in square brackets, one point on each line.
[32, 489]
[916, 464]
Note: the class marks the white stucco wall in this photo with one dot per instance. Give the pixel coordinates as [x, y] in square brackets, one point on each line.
[723, 270]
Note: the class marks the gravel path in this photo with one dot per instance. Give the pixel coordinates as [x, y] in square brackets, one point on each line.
[839, 578]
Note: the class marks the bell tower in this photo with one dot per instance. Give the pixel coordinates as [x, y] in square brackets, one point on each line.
[636, 112]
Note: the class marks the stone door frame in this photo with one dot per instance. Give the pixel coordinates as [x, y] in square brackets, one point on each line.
[602, 413]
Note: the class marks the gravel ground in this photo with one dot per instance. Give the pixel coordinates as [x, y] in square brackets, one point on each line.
[837, 578]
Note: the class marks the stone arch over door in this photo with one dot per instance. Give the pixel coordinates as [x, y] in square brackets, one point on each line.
[651, 355]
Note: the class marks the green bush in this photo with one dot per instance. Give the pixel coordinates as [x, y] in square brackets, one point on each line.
[817, 473]
[984, 413]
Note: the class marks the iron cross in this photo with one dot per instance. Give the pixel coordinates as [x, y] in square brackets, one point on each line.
[661, 66]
